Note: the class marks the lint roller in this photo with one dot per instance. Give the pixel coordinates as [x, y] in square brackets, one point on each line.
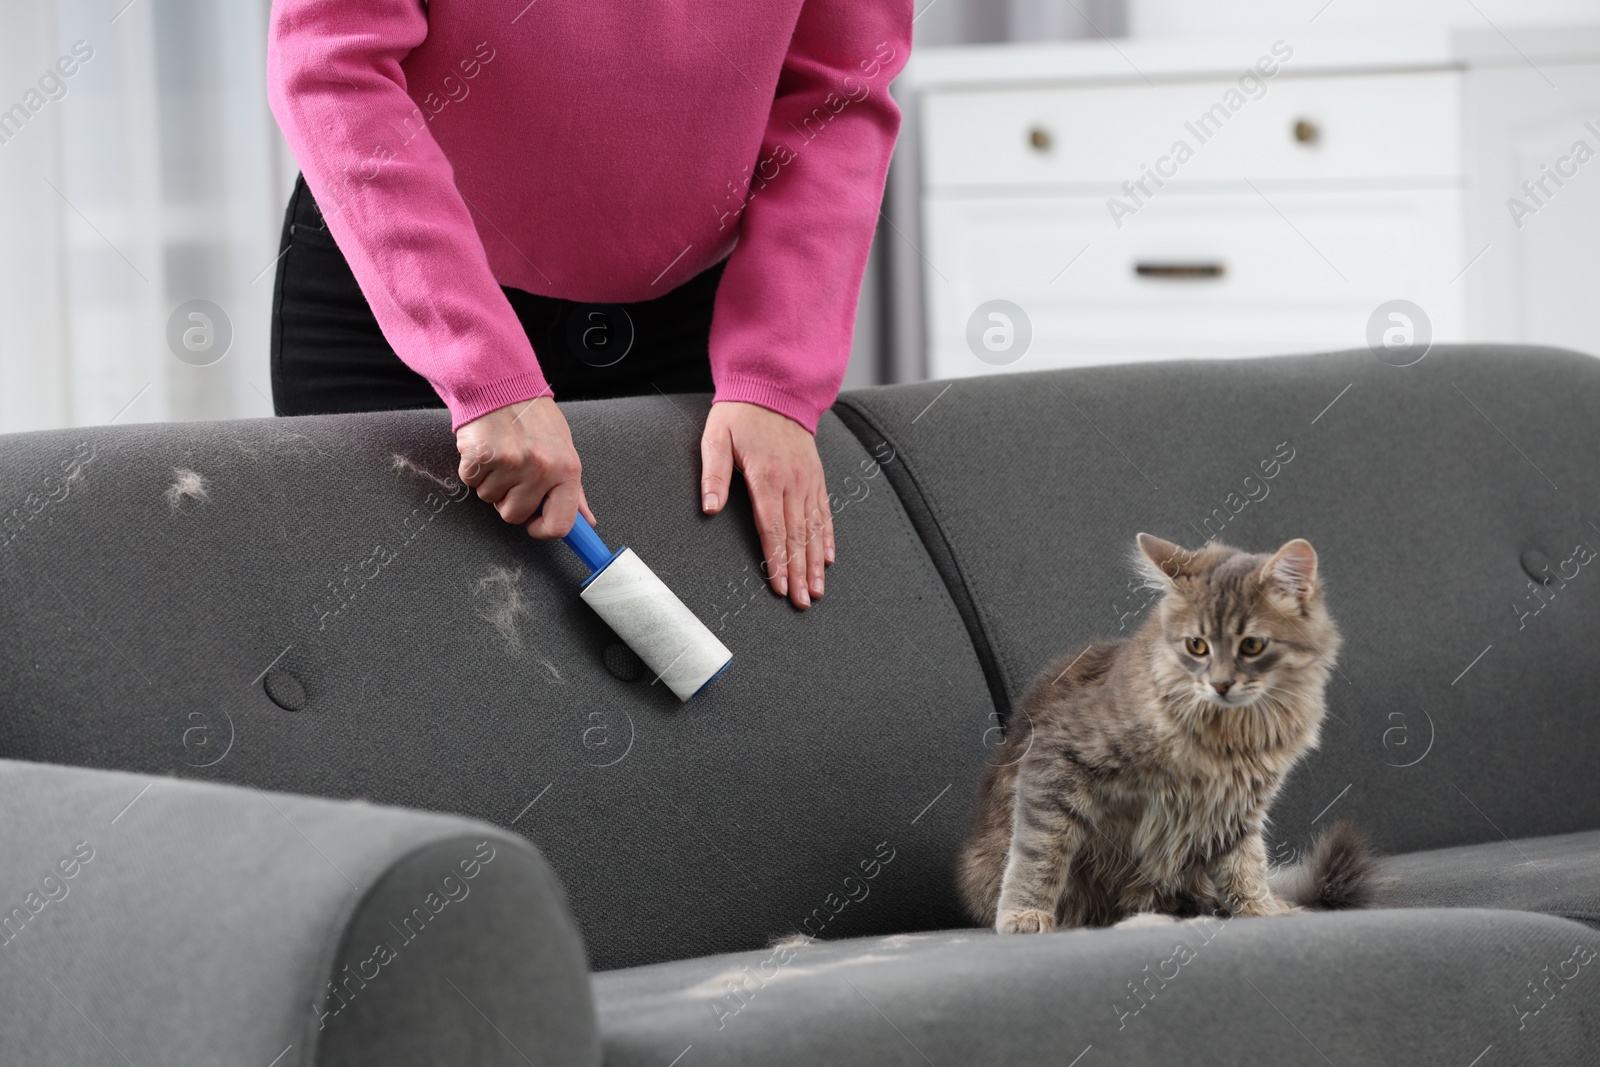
[653, 622]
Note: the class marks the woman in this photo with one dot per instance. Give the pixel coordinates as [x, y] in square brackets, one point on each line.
[518, 188]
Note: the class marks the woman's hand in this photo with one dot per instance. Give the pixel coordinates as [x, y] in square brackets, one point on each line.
[787, 492]
[518, 456]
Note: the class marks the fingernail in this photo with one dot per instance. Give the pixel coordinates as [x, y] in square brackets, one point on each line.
[710, 502]
[805, 601]
[816, 588]
[783, 587]
[831, 556]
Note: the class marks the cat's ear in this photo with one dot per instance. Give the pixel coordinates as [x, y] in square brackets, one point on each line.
[1167, 558]
[1293, 568]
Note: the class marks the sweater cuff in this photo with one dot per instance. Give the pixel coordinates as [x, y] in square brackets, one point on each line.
[478, 401]
[771, 397]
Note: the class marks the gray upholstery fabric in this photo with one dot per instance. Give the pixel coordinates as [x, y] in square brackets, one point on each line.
[1407, 987]
[463, 674]
[149, 920]
[482, 970]
[1429, 491]
[313, 605]
[1557, 875]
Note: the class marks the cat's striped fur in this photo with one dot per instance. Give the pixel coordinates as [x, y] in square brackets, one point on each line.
[1136, 775]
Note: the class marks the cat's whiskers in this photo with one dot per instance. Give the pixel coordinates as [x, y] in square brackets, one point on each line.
[1292, 694]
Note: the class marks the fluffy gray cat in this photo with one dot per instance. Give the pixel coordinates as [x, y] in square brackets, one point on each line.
[1136, 775]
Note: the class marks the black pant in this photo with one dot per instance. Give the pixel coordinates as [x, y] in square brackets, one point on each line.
[328, 354]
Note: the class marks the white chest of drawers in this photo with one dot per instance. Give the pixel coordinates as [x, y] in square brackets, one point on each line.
[1236, 198]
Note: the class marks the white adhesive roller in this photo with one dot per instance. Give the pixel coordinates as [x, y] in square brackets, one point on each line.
[653, 622]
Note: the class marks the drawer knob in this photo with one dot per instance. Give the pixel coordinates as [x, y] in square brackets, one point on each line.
[1306, 131]
[1039, 138]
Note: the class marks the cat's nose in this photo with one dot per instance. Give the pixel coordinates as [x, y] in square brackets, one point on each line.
[1222, 687]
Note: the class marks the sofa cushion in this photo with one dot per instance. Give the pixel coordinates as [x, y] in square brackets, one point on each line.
[1434, 986]
[314, 605]
[1556, 875]
[1465, 704]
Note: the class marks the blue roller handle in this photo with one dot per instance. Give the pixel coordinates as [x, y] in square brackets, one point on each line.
[587, 544]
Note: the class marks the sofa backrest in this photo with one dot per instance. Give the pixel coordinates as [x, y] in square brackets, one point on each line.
[1465, 706]
[316, 605]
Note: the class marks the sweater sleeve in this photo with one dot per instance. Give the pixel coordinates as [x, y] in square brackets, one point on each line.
[336, 87]
[786, 305]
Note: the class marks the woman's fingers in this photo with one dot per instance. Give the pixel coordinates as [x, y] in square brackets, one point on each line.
[829, 549]
[475, 463]
[766, 503]
[795, 506]
[521, 501]
[816, 541]
[520, 457]
[788, 492]
[792, 554]
[716, 467]
[559, 514]
[496, 483]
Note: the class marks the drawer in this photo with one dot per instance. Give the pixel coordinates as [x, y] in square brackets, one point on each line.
[1358, 127]
[1223, 274]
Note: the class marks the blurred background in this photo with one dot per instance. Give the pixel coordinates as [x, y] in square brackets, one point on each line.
[1383, 160]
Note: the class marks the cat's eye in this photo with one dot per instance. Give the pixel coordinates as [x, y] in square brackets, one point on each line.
[1197, 646]
[1252, 646]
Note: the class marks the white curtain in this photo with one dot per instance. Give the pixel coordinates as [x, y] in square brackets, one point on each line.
[151, 176]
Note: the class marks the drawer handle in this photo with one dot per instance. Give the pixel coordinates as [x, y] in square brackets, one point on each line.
[1039, 138]
[1306, 131]
[1179, 271]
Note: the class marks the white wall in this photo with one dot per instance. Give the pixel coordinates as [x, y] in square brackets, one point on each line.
[1186, 18]
[945, 22]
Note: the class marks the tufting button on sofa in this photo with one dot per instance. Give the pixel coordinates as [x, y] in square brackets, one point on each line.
[623, 662]
[285, 690]
[1553, 567]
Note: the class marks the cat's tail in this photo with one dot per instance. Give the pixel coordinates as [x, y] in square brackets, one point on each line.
[1340, 871]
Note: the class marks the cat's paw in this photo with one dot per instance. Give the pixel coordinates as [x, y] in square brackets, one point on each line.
[1265, 906]
[1025, 921]
[1145, 918]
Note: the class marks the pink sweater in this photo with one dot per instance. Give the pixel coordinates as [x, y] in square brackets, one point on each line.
[603, 151]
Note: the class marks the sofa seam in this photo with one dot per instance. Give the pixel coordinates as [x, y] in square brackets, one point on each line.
[957, 587]
[923, 560]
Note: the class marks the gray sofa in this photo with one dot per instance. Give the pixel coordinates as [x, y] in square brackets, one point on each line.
[344, 773]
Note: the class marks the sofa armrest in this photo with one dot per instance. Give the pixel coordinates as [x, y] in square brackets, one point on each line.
[152, 920]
